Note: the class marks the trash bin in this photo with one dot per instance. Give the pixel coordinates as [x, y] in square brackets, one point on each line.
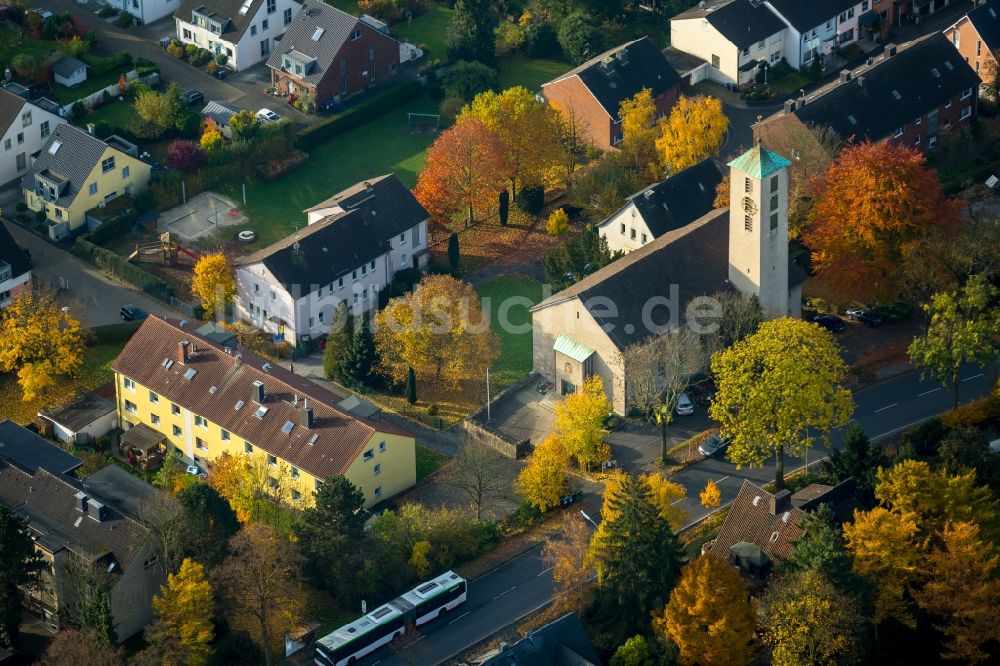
[221, 73]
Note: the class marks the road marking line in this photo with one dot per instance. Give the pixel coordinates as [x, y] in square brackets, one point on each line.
[541, 572]
[973, 377]
[504, 592]
[882, 409]
[928, 392]
[459, 617]
[903, 427]
[724, 478]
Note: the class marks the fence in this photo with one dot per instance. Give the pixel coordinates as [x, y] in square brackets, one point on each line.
[90, 99]
[114, 265]
[478, 430]
[186, 308]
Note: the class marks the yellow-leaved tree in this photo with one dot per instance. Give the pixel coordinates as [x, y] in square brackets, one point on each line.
[779, 391]
[568, 553]
[542, 482]
[213, 283]
[709, 616]
[711, 496]
[580, 422]
[664, 494]
[40, 341]
[639, 134]
[253, 487]
[694, 130]
[211, 136]
[558, 223]
[439, 330]
[183, 629]
[531, 132]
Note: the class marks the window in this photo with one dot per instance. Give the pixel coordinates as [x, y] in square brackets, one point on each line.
[264, 25]
[632, 234]
[967, 93]
[774, 184]
[355, 300]
[774, 202]
[622, 228]
[761, 44]
[378, 469]
[128, 383]
[979, 47]
[747, 185]
[272, 461]
[272, 6]
[403, 259]
[319, 293]
[322, 316]
[108, 164]
[44, 129]
[916, 142]
[774, 221]
[200, 421]
[7, 144]
[224, 434]
[644, 239]
[154, 419]
[186, 34]
[898, 133]
[174, 409]
[402, 239]
[59, 213]
[364, 294]
[253, 30]
[715, 61]
[947, 104]
[357, 34]
[92, 189]
[130, 407]
[340, 283]
[295, 472]
[354, 274]
[343, 66]
[966, 112]
[247, 447]
[312, 322]
[150, 562]
[200, 444]
[850, 13]
[368, 455]
[381, 447]
[748, 223]
[373, 265]
[288, 16]
[177, 431]
[265, 47]
[378, 492]
[864, 6]
[153, 398]
[22, 161]
[26, 119]
[272, 483]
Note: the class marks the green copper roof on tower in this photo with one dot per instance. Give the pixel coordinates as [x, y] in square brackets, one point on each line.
[759, 162]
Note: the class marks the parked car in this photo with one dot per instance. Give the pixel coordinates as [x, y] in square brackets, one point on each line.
[267, 116]
[194, 470]
[866, 316]
[684, 405]
[44, 13]
[133, 313]
[830, 322]
[193, 97]
[714, 444]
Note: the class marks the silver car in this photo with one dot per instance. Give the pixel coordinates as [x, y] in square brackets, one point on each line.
[714, 444]
[684, 405]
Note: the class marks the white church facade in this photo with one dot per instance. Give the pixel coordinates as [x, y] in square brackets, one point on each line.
[581, 331]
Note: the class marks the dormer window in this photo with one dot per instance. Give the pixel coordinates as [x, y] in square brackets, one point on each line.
[357, 34]
[5, 271]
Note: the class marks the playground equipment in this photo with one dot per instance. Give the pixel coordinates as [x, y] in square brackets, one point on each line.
[166, 250]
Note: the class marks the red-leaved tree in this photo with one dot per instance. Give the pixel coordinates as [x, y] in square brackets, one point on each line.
[466, 170]
[876, 208]
[185, 156]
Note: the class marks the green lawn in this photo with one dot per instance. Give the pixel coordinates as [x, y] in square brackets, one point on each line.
[428, 461]
[382, 146]
[515, 357]
[520, 70]
[10, 46]
[116, 114]
[428, 31]
[65, 95]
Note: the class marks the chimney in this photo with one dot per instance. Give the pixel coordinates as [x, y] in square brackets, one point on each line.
[622, 56]
[182, 352]
[81, 501]
[97, 511]
[258, 392]
[307, 417]
[861, 82]
[845, 75]
[781, 501]
[890, 50]
[790, 106]
[91, 129]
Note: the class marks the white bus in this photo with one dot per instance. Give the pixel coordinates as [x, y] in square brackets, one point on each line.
[368, 633]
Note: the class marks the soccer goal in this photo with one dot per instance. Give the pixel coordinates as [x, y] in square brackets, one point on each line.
[423, 123]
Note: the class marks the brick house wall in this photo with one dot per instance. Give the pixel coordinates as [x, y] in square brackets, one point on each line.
[965, 38]
[949, 117]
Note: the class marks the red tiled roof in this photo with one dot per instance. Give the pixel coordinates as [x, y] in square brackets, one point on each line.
[755, 523]
[222, 380]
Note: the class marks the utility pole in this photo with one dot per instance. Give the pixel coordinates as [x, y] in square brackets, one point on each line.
[489, 419]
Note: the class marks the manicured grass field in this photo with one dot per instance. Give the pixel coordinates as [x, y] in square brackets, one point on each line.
[428, 30]
[428, 461]
[382, 146]
[116, 114]
[11, 45]
[65, 95]
[520, 70]
[515, 358]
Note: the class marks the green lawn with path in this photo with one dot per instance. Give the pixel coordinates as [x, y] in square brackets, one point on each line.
[515, 358]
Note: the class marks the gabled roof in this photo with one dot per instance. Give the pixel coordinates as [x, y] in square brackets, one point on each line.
[893, 92]
[10, 108]
[220, 111]
[67, 66]
[75, 156]
[742, 22]
[396, 209]
[221, 381]
[619, 73]
[227, 12]
[804, 16]
[759, 162]
[12, 253]
[678, 200]
[318, 32]
[986, 20]
[563, 642]
[695, 258]
[28, 450]
[751, 520]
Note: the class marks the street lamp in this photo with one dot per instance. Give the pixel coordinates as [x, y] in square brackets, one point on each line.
[589, 519]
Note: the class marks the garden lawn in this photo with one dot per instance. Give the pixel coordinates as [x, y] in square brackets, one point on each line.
[428, 462]
[96, 370]
[520, 70]
[65, 95]
[119, 115]
[428, 31]
[384, 145]
[515, 357]
[38, 49]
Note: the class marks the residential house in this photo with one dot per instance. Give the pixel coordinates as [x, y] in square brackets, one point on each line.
[354, 244]
[76, 172]
[663, 207]
[562, 642]
[977, 38]
[69, 71]
[204, 400]
[330, 55]
[592, 93]
[82, 421]
[245, 31]
[221, 112]
[898, 11]
[24, 128]
[79, 532]
[580, 331]
[733, 36]
[909, 95]
[15, 268]
[813, 30]
[146, 11]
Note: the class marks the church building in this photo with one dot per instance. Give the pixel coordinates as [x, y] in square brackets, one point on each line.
[581, 330]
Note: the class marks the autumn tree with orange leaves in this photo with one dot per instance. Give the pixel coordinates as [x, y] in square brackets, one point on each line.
[466, 170]
[876, 208]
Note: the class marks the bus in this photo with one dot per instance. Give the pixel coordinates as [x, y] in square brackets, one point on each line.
[428, 601]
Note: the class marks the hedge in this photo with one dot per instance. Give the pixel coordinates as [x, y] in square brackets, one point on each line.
[115, 266]
[114, 332]
[359, 114]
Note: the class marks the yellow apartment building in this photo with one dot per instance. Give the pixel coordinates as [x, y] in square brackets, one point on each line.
[203, 400]
[75, 172]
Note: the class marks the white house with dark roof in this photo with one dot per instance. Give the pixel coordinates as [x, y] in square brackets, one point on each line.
[581, 331]
[15, 269]
[146, 11]
[246, 31]
[354, 244]
[24, 128]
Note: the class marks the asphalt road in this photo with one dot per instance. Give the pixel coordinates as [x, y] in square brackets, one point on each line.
[524, 584]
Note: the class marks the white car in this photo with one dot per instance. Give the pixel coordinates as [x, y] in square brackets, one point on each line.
[267, 116]
[684, 405]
